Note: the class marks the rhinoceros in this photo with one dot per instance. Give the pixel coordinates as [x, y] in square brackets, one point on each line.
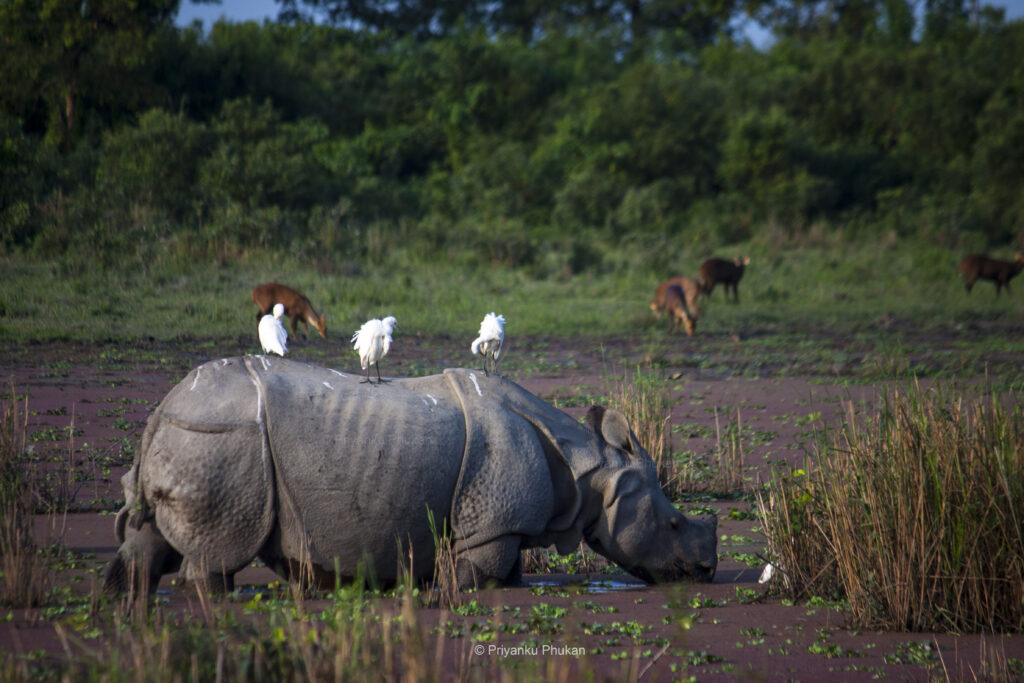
[305, 467]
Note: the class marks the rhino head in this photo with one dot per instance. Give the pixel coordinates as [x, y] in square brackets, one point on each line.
[636, 526]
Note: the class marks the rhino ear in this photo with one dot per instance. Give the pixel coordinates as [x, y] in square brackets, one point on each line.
[615, 430]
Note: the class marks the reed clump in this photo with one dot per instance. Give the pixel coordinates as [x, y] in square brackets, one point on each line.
[25, 579]
[646, 402]
[914, 516]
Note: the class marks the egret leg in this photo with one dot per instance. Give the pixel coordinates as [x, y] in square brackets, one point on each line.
[367, 380]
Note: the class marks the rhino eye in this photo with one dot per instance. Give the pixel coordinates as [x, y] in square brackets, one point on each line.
[674, 523]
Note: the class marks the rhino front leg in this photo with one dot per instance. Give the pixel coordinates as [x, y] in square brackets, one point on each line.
[206, 581]
[142, 559]
[498, 561]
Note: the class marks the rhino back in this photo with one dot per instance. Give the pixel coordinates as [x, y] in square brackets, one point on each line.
[359, 465]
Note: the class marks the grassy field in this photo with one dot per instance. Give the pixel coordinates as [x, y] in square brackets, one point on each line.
[846, 290]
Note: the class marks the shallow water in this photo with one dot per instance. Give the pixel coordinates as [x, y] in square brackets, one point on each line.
[609, 586]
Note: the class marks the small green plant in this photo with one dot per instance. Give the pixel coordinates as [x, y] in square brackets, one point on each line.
[921, 653]
[546, 561]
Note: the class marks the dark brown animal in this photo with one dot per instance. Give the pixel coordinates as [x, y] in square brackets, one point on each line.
[675, 304]
[691, 293]
[296, 306]
[719, 271]
[975, 266]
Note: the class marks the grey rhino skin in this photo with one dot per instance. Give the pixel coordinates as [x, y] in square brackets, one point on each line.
[306, 467]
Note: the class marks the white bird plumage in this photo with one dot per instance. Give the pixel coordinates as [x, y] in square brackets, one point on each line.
[491, 336]
[273, 336]
[373, 341]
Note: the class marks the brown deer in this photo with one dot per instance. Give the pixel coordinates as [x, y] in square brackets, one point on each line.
[975, 266]
[296, 306]
[691, 295]
[675, 304]
[728, 273]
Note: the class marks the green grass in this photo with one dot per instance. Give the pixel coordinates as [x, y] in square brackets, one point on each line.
[859, 291]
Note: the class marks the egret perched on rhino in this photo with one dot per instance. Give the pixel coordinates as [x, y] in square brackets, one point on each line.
[273, 336]
[308, 468]
[372, 342]
[489, 340]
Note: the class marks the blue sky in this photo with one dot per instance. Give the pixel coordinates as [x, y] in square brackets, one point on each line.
[235, 10]
[257, 10]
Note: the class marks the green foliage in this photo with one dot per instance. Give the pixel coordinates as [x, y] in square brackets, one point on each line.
[153, 163]
[542, 151]
[629, 142]
[19, 182]
[68, 55]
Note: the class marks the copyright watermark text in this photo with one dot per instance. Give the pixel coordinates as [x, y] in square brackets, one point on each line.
[546, 650]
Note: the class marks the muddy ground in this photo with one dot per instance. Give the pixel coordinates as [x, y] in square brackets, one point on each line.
[88, 405]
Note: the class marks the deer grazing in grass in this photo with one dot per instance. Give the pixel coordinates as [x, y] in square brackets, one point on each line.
[975, 266]
[728, 273]
[296, 306]
[679, 296]
[675, 304]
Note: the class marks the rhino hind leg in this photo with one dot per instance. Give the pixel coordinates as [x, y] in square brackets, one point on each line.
[144, 557]
[498, 561]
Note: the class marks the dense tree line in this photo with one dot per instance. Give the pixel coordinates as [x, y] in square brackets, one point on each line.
[489, 128]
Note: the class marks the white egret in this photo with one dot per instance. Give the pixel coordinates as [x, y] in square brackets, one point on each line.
[491, 336]
[273, 336]
[372, 341]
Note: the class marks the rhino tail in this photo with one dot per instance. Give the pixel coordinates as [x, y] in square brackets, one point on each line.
[135, 511]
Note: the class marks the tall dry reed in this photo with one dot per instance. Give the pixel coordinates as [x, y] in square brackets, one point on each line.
[915, 516]
[444, 589]
[644, 399]
[729, 457]
[25, 579]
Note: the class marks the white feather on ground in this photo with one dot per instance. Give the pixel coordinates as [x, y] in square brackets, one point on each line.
[373, 341]
[491, 337]
[273, 336]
